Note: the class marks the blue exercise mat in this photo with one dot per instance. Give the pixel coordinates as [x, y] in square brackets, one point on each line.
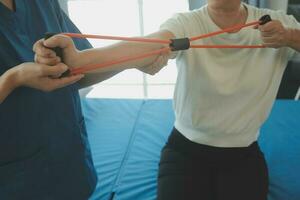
[280, 142]
[126, 138]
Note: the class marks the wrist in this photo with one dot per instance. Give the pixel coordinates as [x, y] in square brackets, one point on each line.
[10, 79]
[84, 58]
[76, 59]
[81, 58]
[289, 37]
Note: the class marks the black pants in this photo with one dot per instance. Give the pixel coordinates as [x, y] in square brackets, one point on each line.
[191, 171]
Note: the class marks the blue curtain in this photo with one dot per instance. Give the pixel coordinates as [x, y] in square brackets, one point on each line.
[194, 4]
[258, 3]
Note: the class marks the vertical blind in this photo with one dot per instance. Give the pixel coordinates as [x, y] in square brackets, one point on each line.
[134, 18]
[127, 18]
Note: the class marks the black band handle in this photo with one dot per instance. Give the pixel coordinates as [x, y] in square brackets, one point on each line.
[59, 53]
[180, 44]
[265, 19]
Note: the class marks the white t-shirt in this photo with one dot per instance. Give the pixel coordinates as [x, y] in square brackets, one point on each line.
[223, 96]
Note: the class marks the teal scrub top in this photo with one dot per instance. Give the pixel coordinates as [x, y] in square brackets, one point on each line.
[44, 150]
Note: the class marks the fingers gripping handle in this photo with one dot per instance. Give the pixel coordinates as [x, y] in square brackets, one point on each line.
[57, 50]
[265, 19]
[59, 53]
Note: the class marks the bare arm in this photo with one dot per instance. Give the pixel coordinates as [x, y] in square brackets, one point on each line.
[94, 78]
[36, 76]
[152, 69]
[7, 84]
[124, 49]
[75, 58]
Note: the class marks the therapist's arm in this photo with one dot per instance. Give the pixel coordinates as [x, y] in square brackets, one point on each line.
[36, 76]
[152, 68]
[75, 58]
[7, 85]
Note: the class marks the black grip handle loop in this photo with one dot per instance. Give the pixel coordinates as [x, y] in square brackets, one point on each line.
[180, 44]
[265, 19]
[59, 53]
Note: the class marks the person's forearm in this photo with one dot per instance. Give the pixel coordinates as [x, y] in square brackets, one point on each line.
[117, 51]
[7, 84]
[94, 78]
[294, 39]
[121, 50]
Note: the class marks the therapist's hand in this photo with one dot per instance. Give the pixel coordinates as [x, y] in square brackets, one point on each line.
[44, 55]
[38, 76]
[274, 34]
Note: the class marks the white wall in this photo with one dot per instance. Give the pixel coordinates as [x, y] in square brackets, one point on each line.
[273, 4]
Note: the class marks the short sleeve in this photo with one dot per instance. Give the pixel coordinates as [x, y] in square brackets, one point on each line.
[174, 25]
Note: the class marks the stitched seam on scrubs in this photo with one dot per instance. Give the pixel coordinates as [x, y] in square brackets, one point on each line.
[128, 150]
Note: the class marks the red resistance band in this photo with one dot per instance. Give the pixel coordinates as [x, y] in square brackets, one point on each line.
[174, 45]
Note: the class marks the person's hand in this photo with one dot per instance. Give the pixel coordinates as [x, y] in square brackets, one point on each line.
[38, 76]
[157, 65]
[274, 34]
[44, 55]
